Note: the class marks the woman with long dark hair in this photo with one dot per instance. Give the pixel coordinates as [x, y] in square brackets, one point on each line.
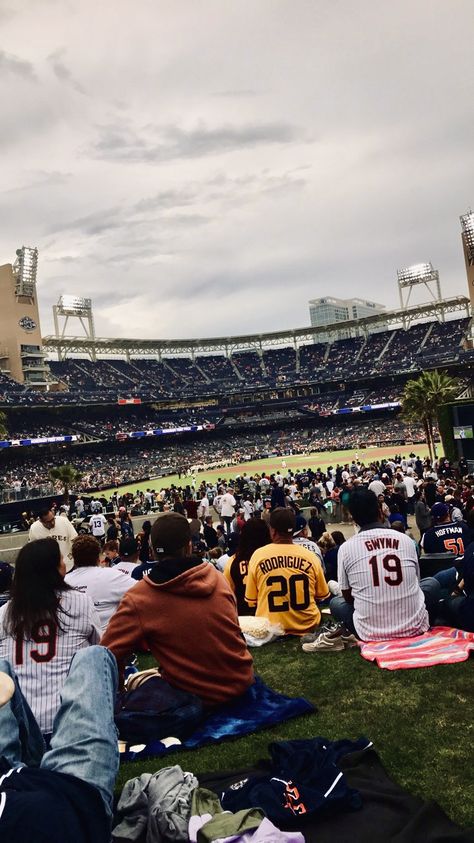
[143, 539]
[254, 534]
[43, 625]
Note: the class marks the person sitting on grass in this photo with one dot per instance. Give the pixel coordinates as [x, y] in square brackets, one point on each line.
[185, 612]
[105, 586]
[66, 792]
[255, 534]
[285, 579]
[378, 572]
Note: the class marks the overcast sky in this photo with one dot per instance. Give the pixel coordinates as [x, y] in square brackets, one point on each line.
[204, 167]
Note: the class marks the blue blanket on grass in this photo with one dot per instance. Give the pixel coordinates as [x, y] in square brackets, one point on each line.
[259, 708]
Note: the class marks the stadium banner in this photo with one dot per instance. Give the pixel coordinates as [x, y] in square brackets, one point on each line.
[122, 401]
[163, 431]
[38, 440]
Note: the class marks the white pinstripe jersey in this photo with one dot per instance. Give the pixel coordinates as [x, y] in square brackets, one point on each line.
[380, 566]
[42, 663]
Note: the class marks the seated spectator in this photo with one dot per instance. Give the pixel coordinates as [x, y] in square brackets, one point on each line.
[65, 793]
[378, 572]
[285, 579]
[210, 534]
[41, 627]
[331, 552]
[6, 577]
[128, 559]
[105, 586]
[186, 613]
[110, 553]
[446, 535]
[144, 544]
[255, 534]
[300, 537]
[458, 609]
[222, 539]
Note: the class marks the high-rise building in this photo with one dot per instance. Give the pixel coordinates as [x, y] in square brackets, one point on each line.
[21, 352]
[329, 310]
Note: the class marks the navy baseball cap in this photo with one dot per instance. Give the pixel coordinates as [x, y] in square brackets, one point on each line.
[300, 525]
[439, 511]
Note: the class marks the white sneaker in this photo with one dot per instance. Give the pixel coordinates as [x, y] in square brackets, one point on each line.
[7, 688]
[335, 588]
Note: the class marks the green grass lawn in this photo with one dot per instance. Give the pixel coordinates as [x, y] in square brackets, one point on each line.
[421, 721]
[318, 459]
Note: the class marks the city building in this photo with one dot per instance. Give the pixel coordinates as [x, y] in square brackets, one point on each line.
[21, 350]
[329, 310]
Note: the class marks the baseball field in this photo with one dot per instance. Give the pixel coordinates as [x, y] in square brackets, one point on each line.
[320, 459]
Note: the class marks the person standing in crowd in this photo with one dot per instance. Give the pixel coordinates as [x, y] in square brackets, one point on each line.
[316, 524]
[422, 512]
[210, 534]
[105, 586]
[51, 526]
[98, 526]
[186, 613]
[227, 504]
[41, 627]
[144, 544]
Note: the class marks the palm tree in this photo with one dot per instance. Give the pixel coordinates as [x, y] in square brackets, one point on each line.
[67, 475]
[423, 396]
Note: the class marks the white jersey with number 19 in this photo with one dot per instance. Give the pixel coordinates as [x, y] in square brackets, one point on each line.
[380, 566]
[42, 662]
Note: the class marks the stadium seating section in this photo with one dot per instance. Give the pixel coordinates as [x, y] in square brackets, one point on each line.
[390, 352]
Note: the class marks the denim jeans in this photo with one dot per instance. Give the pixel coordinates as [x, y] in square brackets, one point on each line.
[343, 611]
[84, 741]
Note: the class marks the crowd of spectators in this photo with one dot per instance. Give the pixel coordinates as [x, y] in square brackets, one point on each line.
[83, 381]
[118, 464]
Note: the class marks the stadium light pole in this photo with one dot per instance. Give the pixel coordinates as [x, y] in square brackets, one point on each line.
[75, 307]
[413, 276]
[467, 235]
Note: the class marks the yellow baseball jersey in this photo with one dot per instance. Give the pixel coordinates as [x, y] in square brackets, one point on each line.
[284, 581]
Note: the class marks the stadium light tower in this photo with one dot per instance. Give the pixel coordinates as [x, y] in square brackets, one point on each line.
[74, 307]
[467, 235]
[414, 276]
[24, 271]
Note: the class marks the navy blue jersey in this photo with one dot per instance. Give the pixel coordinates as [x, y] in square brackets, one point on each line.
[447, 538]
[39, 806]
[142, 570]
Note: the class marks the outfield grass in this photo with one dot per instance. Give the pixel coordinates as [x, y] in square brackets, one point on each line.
[419, 720]
[317, 459]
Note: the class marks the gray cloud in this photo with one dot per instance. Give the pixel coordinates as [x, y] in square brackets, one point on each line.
[15, 66]
[62, 72]
[165, 143]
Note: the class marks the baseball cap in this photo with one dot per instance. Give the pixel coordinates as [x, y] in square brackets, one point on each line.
[299, 525]
[439, 511]
[283, 520]
[6, 576]
[170, 533]
[128, 547]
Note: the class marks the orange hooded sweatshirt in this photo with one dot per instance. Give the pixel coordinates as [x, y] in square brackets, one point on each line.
[190, 625]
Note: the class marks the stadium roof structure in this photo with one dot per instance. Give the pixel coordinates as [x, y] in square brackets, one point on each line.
[104, 346]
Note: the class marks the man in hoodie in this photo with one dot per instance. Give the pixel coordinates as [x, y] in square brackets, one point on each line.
[186, 613]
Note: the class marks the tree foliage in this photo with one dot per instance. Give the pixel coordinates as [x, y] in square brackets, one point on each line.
[67, 475]
[423, 396]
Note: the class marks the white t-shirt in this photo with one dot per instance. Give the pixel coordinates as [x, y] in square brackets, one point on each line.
[377, 487]
[380, 566]
[42, 664]
[203, 508]
[410, 485]
[97, 524]
[105, 587]
[63, 532]
[227, 505]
